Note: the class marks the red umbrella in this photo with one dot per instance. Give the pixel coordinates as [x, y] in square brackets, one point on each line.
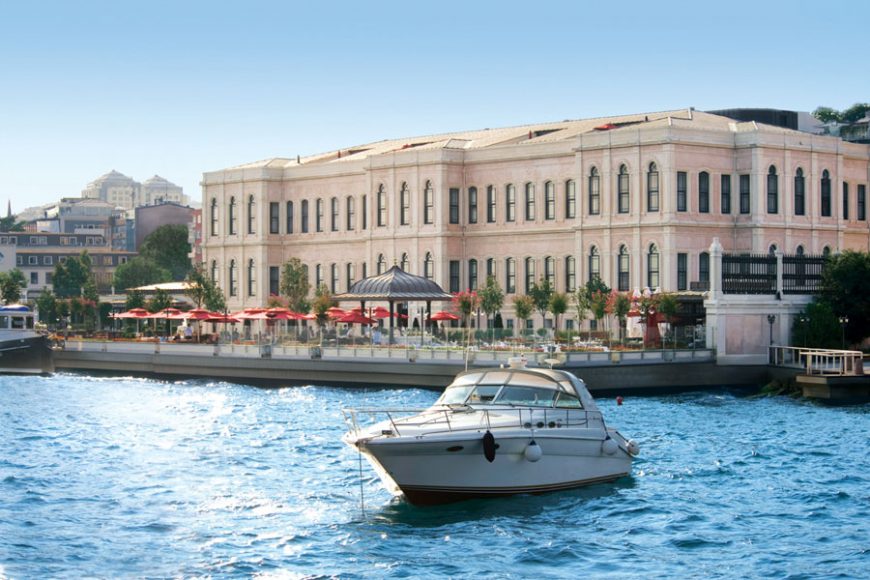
[222, 319]
[249, 314]
[443, 315]
[335, 312]
[356, 318]
[133, 313]
[166, 313]
[197, 314]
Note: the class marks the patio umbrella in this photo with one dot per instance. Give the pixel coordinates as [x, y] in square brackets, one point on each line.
[198, 315]
[356, 318]
[166, 314]
[335, 312]
[137, 313]
[443, 315]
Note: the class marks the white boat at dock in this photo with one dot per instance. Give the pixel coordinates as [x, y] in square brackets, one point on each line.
[493, 432]
[23, 350]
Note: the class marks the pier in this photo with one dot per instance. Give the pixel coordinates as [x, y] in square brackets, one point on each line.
[835, 376]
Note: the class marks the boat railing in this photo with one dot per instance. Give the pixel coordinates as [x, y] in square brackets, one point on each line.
[492, 419]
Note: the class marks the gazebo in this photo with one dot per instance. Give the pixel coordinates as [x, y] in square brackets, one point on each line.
[395, 285]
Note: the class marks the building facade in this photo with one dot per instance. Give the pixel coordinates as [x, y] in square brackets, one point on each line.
[120, 190]
[635, 200]
[150, 217]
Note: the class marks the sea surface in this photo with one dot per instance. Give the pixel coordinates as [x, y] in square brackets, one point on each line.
[129, 477]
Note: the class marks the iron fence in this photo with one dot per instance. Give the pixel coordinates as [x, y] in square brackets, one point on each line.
[748, 274]
[802, 274]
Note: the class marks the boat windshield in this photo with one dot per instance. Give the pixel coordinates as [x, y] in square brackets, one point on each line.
[507, 392]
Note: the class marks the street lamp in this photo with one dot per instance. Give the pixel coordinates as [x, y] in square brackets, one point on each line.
[844, 320]
[804, 320]
[771, 318]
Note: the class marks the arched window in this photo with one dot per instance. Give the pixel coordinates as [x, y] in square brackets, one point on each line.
[570, 274]
[704, 270]
[800, 251]
[845, 200]
[490, 204]
[213, 217]
[800, 267]
[549, 200]
[799, 192]
[333, 278]
[318, 277]
[570, 199]
[623, 189]
[289, 217]
[594, 263]
[652, 273]
[530, 202]
[622, 268]
[529, 264]
[594, 192]
[405, 264]
[252, 278]
[364, 212]
[510, 276]
[381, 264]
[233, 277]
[251, 214]
[214, 271]
[772, 190]
[318, 215]
[404, 205]
[304, 217]
[333, 214]
[652, 188]
[550, 271]
[772, 249]
[826, 193]
[365, 271]
[510, 203]
[349, 275]
[350, 205]
[428, 203]
[428, 266]
[826, 251]
[472, 274]
[490, 267]
[704, 192]
[382, 206]
[232, 216]
[472, 205]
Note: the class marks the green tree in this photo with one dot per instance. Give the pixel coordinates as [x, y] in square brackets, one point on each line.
[135, 299]
[140, 271]
[72, 276]
[167, 246]
[850, 115]
[846, 288]
[669, 306]
[159, 301]
[466, 303]
[817, 327]
[826, 114]
[11, 285]
[321, 304]
[295, 286]
[11, 224]
[598, 305]
[541, 292]
[582, 304]
[203, 291]
[558, 306]
[523, 307]
[46, 303]
[491, 300]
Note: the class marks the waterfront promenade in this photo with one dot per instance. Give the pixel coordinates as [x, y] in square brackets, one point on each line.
[604, 372]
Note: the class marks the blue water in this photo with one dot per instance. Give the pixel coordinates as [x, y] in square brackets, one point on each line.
[124, 477]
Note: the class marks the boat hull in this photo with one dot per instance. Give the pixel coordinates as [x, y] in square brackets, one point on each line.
[25, 353]
[447, 470]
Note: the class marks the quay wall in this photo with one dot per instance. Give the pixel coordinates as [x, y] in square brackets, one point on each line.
[604, 373]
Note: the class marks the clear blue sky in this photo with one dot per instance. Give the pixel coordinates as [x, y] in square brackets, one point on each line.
[180, 87]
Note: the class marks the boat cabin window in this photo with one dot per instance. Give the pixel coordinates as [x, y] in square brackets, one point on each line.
[4, 322]
[568, 401]
[495, 378]
[18, 322]
[483, 394]
[531, 380]
[526, 396]
[469, 379]
[455, 395]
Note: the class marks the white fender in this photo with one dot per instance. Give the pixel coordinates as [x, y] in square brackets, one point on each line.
[533, 452]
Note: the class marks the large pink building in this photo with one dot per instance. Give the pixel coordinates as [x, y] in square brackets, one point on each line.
[634, 199]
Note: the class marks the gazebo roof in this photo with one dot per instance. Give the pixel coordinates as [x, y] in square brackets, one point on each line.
[395, 285]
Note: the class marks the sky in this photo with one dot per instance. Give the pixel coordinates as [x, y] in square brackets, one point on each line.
[178, 88]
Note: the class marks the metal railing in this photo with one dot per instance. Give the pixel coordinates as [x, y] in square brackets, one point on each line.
[816, 361]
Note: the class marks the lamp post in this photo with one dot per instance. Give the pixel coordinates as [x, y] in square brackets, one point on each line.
[844, 320]
[771, 318]
[804, 320]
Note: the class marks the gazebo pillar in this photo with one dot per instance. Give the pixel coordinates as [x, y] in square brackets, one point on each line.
[392, 321]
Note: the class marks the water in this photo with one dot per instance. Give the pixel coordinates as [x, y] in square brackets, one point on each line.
[124, 477]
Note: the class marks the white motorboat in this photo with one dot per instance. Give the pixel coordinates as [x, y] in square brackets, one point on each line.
[493, 432]
[23, 350]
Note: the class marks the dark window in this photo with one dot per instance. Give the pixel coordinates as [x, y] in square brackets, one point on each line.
[862, 202]
[454, 275]
[772, 190]
[594, 264]
[381, 265]
[510, 203]
[594, 192]
[472, 205]
[510, 269]
[550, 271]
[472, 274]
[744, 193]
[529, 264]
[570, 274]
[34, 278]
[704, 269]
[274, 217]
[652, 277]
[350, 205]
[382, 206]
[289, 217]
[232, 220]
[490, 204]
[364, 212]
[845, 200]
[405, 262]
[704, 192]
[303, 226]
[214, 271]
[799, 193]
[333, 278]
[652, 188]
[623, 187]
[826, 194]
[251, 214]
[429, 266]
[549, 200]
[349, 275]
[622, 267]
[570, 199]
[252, 278]
[530, 202]
[725, 194]
[404, 205]
[333, 207]
[274, 280]
[214, 217]
[454, 205]
[490, 267]
[428, 204]
[318, 215]
[682, 271]
[234, 287]
[682, 190]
